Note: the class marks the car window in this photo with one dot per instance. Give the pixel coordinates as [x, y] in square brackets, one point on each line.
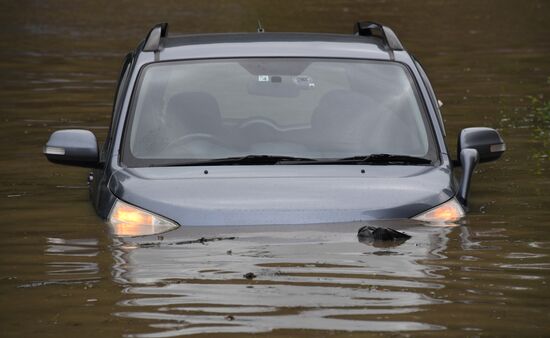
[316, 108]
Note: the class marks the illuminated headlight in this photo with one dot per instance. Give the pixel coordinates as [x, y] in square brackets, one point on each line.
[127, 220]
[448, 212]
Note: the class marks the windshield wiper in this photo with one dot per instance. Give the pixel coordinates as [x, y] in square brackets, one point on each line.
[382, 159]
[390, 159]
[240, 160]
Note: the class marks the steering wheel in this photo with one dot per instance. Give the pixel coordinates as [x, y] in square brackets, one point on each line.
[259, 121]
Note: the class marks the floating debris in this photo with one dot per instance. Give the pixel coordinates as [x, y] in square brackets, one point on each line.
[381, 237]
[201, 240]
[249, 275]
[16, 195]
[35, 284]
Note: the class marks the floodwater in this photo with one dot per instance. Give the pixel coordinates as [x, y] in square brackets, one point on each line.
[62, 275]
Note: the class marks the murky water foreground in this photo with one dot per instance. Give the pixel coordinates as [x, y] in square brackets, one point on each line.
[317, 278]
[61, 274]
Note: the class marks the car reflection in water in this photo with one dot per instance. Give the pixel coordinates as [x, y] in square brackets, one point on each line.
[258, 279]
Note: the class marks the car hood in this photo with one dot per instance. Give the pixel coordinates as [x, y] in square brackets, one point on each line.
[297, 194]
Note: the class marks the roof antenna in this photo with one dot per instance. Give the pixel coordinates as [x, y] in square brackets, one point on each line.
[260, 29]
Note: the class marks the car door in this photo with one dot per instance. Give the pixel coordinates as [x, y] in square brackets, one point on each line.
[98, 177]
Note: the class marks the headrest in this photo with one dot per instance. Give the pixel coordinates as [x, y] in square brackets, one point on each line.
[195, 112]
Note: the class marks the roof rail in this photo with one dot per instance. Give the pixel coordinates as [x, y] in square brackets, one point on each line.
[152, 42]
[368, 28]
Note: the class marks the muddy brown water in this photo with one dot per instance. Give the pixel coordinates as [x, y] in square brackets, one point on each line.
[62, 275]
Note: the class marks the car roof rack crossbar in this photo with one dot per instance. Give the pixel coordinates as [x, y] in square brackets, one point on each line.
[152, 42]
[368, 28]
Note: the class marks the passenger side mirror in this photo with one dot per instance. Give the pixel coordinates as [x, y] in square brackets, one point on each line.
[476, 145]
[486, 141]
[75, 147]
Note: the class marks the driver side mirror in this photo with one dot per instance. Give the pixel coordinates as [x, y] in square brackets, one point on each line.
[74, 147]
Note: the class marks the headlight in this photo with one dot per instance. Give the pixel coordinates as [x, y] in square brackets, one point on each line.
[448, 212]
[127, 220]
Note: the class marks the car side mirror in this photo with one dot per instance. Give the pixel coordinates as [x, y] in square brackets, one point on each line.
[486, 141]
[75, 147]
[476, 145]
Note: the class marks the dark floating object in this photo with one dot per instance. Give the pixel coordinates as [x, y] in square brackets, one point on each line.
[381, 234]
[249, 275]
[202, 240]
[381, 237]
[386, 253]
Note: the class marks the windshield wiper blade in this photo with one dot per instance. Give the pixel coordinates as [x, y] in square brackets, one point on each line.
[241, 160]
[389, 159]
[382, 159]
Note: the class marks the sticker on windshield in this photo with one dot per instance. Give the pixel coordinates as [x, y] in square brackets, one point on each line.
[304, 81]
[263, 78]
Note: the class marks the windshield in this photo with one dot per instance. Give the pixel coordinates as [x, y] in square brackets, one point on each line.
[294, 107]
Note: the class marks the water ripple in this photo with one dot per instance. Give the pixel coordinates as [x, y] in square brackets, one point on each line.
[306, 280]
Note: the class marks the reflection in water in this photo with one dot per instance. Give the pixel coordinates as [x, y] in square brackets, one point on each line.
[72, 248]
[304, 279]
[82, 268]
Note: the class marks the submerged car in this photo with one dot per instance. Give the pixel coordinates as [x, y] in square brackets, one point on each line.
[273, 128]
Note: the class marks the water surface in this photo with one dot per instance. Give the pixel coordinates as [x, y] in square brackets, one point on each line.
[62, 275]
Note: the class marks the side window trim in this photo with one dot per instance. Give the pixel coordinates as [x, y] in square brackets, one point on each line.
[117, 103]
[431, 93]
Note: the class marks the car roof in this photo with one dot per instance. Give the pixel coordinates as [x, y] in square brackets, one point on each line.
[272, 45]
